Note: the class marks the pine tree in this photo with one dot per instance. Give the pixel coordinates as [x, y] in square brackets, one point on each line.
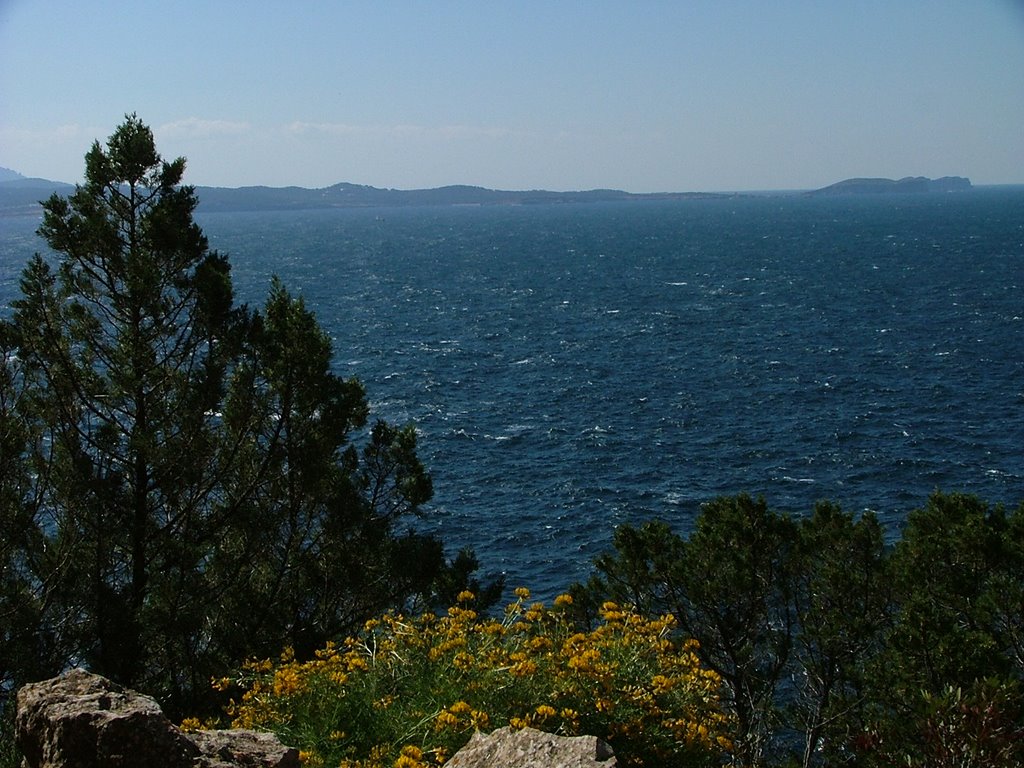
[180, 484]
[124, 347]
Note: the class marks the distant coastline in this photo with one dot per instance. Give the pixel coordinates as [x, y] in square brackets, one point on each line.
[346, 195]
[21, 196]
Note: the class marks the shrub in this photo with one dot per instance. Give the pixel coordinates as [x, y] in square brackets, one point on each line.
[981, 726]
[410, 692]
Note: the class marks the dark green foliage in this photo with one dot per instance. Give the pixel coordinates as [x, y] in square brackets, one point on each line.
[826, 638]
[458, 578]
[843, 608]
[731, 587]
[738, 601]
[644, 571]
[123, 373]
[180, 485]
[981, 726]
[951, 666]
[955, 573]
[25, 645]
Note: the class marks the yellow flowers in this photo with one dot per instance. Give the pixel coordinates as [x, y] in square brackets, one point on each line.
[446, 719]
[610, 612]
[460, 716]
[585, 660]
[410, 757]
[410, 691]
[522, 665]
[287, 681]
[661, 684]
[221, 683]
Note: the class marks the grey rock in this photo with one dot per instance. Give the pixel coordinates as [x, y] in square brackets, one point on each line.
[255, 749]
[530, 748]
[82, 720]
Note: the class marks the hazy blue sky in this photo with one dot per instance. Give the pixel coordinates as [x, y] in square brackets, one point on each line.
[636, 95]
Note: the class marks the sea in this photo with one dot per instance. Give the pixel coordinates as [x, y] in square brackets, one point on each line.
[571, 368]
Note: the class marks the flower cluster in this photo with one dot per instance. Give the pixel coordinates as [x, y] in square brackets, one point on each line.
[410, 692]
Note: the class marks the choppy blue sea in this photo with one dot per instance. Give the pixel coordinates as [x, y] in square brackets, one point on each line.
[574, 367]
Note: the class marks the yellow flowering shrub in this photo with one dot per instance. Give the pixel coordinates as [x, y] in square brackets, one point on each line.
[409, 692]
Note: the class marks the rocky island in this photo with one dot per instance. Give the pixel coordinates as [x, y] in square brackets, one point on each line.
[908, 184]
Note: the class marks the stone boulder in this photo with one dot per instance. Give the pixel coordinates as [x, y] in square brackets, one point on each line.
[239, 748]
[530, 748]
[82, 720]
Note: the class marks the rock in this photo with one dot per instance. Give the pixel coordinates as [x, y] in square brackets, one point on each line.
[226, 749]
[530, 748]
[82, 720]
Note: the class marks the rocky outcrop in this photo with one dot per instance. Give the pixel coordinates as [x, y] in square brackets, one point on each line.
[529, 748]
[82, 720]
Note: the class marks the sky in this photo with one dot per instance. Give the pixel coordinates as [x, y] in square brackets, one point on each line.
[640, 95]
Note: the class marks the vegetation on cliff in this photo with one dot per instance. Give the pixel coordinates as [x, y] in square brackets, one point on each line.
[834, 648]
[410, 691]
[758, 640]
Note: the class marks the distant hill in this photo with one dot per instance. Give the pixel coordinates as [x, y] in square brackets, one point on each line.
[6, 174]
[20, 196]
[358, 196]
[908, 184]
